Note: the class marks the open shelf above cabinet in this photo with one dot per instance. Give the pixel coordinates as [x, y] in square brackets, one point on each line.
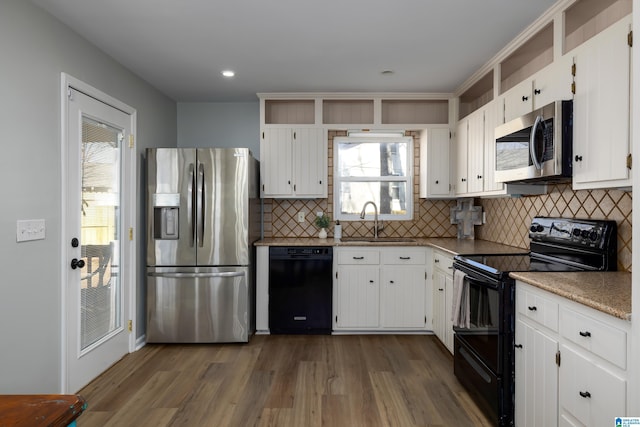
[586, 18]
[289, 111]
[477, 96]
[531, 57]
[347, 111]
[354, 110]
[404, 111]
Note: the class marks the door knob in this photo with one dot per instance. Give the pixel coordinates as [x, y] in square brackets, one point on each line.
[77, 263]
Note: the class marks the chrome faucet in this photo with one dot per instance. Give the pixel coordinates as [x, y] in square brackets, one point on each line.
[375, 218]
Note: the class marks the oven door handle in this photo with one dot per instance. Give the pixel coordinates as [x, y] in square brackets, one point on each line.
[555, 260]
[479, 282]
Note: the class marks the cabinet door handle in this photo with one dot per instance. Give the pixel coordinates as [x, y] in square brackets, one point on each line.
[536, 91]
[405, 257]
[578, 158]
[518, 346]
[525, 98]
[391, 281]
[585, 334]
[585, 394]
[370, 281]
[436, 260]
[440, 289]
[532, 308]
[437, 182]
[450, 268]
[358, 257]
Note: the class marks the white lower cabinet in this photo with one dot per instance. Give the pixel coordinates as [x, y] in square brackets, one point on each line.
[590, 394]
[536, 378]
[357, 297]
[570, 362]
[442, 268]
[380, 288]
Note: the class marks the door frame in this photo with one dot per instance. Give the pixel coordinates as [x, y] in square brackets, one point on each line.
[128, 270]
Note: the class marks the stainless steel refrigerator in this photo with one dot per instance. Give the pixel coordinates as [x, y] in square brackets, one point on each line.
[203, 216]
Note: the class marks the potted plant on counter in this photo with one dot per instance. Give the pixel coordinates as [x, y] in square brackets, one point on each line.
[322, 222]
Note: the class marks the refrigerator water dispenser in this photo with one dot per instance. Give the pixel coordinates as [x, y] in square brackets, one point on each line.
[166, 216]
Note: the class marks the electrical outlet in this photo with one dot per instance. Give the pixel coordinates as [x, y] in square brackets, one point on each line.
[300, 216]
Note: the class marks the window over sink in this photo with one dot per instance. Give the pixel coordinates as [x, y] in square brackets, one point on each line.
[375, 168]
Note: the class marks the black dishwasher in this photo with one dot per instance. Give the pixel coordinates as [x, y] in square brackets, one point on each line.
[300, 290]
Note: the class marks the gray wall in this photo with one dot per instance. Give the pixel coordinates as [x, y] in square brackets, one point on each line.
[35, 48]
[219, 124]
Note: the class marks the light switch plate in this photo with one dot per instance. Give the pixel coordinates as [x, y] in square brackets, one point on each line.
[30, 229]
[301, 216]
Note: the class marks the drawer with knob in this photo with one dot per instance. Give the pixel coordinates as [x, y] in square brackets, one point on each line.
[601, 339]
[537, 308]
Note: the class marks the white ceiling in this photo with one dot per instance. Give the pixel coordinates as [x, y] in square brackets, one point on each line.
[181, 46]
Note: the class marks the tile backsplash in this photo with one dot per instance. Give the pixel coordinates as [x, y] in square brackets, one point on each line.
[431, 217]
[508, 218]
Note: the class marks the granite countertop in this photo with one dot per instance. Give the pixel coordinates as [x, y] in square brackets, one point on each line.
[606, 291]
[451, 245]
[609, 292]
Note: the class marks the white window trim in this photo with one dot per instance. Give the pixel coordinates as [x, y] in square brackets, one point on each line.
[337, 179]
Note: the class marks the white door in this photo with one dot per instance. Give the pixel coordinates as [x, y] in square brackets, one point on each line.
[98, 289]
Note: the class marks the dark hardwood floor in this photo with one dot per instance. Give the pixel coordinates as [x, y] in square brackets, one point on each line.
[285, 380]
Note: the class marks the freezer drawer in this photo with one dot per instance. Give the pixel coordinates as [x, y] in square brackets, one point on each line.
[198, 305]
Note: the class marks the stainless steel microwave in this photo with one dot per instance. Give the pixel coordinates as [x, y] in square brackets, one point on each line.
[537, 146]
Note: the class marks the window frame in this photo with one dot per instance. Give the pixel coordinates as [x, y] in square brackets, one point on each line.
[407, 178]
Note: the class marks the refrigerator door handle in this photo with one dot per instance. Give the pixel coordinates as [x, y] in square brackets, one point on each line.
[201, 205]
[190, 202]
[198, 275]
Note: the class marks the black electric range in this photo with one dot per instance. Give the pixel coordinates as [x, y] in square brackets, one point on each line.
[483, 344]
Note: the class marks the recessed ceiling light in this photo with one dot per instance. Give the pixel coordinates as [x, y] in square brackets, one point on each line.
[228, 73]
[386, 72]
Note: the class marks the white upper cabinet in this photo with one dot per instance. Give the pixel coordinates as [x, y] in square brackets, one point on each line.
[601, 143]
[310, 162]
[435, 168]
[550, 84]
[491, 115]
[475, 152]
[293, 163]
[462, 148]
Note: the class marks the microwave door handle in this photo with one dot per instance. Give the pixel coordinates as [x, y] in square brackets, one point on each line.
[532, 142]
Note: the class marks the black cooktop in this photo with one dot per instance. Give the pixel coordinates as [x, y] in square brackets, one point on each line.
[557, 244]
[504, 263]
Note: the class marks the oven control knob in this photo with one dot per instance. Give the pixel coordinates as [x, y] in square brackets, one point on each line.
[576, 232]
[585, 233]
[536, 228]
[593, 236]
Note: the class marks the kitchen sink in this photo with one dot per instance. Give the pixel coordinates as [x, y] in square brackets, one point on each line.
[380, 240]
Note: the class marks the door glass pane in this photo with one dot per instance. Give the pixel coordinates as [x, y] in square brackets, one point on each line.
[100, 235]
